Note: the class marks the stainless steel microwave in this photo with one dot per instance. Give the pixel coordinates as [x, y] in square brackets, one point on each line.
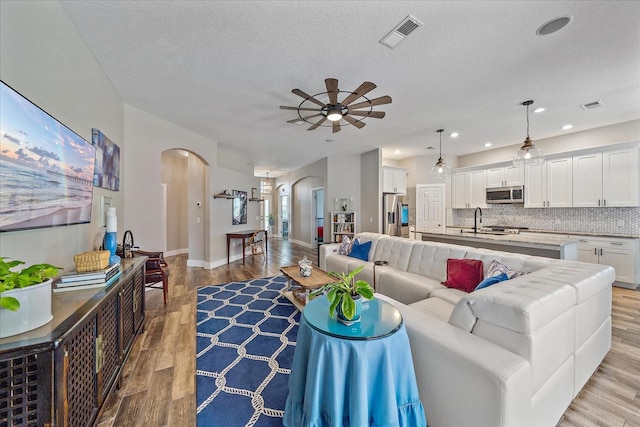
[513, 194]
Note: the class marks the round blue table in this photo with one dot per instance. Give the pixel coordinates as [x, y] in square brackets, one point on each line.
[357, 375]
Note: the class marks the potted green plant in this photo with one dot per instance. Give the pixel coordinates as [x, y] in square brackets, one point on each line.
[345, 296]
[25, 296]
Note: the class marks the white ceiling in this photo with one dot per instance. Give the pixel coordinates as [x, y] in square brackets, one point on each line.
[222, 68]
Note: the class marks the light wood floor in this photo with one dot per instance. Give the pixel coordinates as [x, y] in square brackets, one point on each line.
[158, 383]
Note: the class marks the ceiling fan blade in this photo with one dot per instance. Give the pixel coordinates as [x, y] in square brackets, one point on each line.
[362, 90]
[376, 101]
[374, 114]
[318, 123]
[336, 126]
[332, 89]
[307, 96]
[356, 123]
[299, 119]
[283, 107]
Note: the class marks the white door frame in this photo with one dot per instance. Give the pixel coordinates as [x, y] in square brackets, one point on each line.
[163, 217]
[443, 211]
[314, 222]
[280, 227]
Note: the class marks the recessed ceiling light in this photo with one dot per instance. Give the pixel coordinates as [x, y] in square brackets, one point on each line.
[454, 135]
[539, 110]
[488, 144]
[567, 127]
[550, 27]
[397, 151]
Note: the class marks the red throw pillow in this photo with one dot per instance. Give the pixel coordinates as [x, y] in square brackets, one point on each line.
[464, 274]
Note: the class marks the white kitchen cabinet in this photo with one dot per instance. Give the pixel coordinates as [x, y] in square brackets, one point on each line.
[621, 254]
[606, 179]
[468, 189]
[587, 180]
[504, 176]
[621, 177]
[394, 180]
[550, 184]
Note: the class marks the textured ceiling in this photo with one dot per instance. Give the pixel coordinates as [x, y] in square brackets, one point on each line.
[222, 69]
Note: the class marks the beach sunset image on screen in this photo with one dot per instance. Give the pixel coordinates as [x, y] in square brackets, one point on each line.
[46, 169]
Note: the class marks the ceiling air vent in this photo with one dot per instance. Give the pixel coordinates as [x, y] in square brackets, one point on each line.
[402, 30]
[591, 105]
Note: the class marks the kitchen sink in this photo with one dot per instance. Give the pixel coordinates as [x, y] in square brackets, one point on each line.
[494, 233]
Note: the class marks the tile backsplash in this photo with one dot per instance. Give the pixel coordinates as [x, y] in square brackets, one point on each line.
[610, 221]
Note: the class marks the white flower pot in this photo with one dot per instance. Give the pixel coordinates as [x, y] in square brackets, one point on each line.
[34, 311]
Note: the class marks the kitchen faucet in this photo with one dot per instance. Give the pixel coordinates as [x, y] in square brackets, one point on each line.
[475, 217]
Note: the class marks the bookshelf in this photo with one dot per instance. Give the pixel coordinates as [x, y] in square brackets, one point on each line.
[343, 223]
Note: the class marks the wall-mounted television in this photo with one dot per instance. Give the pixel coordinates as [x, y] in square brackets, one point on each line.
[46, 169]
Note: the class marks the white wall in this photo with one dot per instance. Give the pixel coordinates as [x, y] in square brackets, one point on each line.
[43, 57]
[197, 212]
[343, 182]
[174, 175]
[370, 185]
[220, 218]
[606, 135]
[302, 212]
[147, 138]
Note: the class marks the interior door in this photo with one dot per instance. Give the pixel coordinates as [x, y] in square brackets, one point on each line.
[430, 208]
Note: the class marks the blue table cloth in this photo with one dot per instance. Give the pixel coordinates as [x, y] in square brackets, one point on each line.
[338, 382]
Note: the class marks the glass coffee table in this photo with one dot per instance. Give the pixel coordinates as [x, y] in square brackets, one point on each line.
[298, 287]
[363, 373]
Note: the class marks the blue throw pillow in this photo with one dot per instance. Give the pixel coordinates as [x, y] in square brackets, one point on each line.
[360, 250]
[491, 281]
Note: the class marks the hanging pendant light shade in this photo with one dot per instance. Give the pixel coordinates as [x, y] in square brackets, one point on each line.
[440, 170]
[528, 154]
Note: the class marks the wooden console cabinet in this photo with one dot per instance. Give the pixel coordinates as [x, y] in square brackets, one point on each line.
[61, 374]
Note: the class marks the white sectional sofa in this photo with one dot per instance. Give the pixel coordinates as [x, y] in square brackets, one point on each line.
[513, 354]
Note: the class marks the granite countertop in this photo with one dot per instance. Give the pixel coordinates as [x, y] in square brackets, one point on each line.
[564, 234]
[522, 239]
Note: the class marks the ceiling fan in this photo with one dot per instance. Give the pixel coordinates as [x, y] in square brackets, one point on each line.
[335, 111]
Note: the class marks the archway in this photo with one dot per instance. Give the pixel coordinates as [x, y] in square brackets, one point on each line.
[184, 177]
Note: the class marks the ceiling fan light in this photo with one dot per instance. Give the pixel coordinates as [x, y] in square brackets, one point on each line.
[334, 116]
[334, 112]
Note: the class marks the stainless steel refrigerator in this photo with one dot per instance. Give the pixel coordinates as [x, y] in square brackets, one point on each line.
[395, 215]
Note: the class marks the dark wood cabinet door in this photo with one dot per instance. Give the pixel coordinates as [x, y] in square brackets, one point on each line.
[80, 375]
[25, 389]
[108, 346]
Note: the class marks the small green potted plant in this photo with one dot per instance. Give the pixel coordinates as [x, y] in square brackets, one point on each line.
[30, 288]
[345, 296]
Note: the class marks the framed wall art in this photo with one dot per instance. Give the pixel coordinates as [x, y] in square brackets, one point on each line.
[239, 207]
[107, 170]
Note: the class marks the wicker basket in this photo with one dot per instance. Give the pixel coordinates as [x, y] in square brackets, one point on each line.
[91, 261]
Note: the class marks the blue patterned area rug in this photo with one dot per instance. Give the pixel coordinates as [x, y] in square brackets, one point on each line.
[245, 340]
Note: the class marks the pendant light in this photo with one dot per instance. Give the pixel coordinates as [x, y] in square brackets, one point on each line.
[440, 170]
[528, 154]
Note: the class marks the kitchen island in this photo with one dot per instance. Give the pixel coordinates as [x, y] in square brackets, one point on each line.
[538, 244]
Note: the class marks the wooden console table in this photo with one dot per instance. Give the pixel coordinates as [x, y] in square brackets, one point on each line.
[61, 373]
[244, 235]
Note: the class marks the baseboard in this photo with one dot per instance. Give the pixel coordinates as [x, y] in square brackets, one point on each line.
[626, 285]
[195, 263]
[176, 252]
[305, 244]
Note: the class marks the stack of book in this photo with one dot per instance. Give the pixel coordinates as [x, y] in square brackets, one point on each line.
[74, 281]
